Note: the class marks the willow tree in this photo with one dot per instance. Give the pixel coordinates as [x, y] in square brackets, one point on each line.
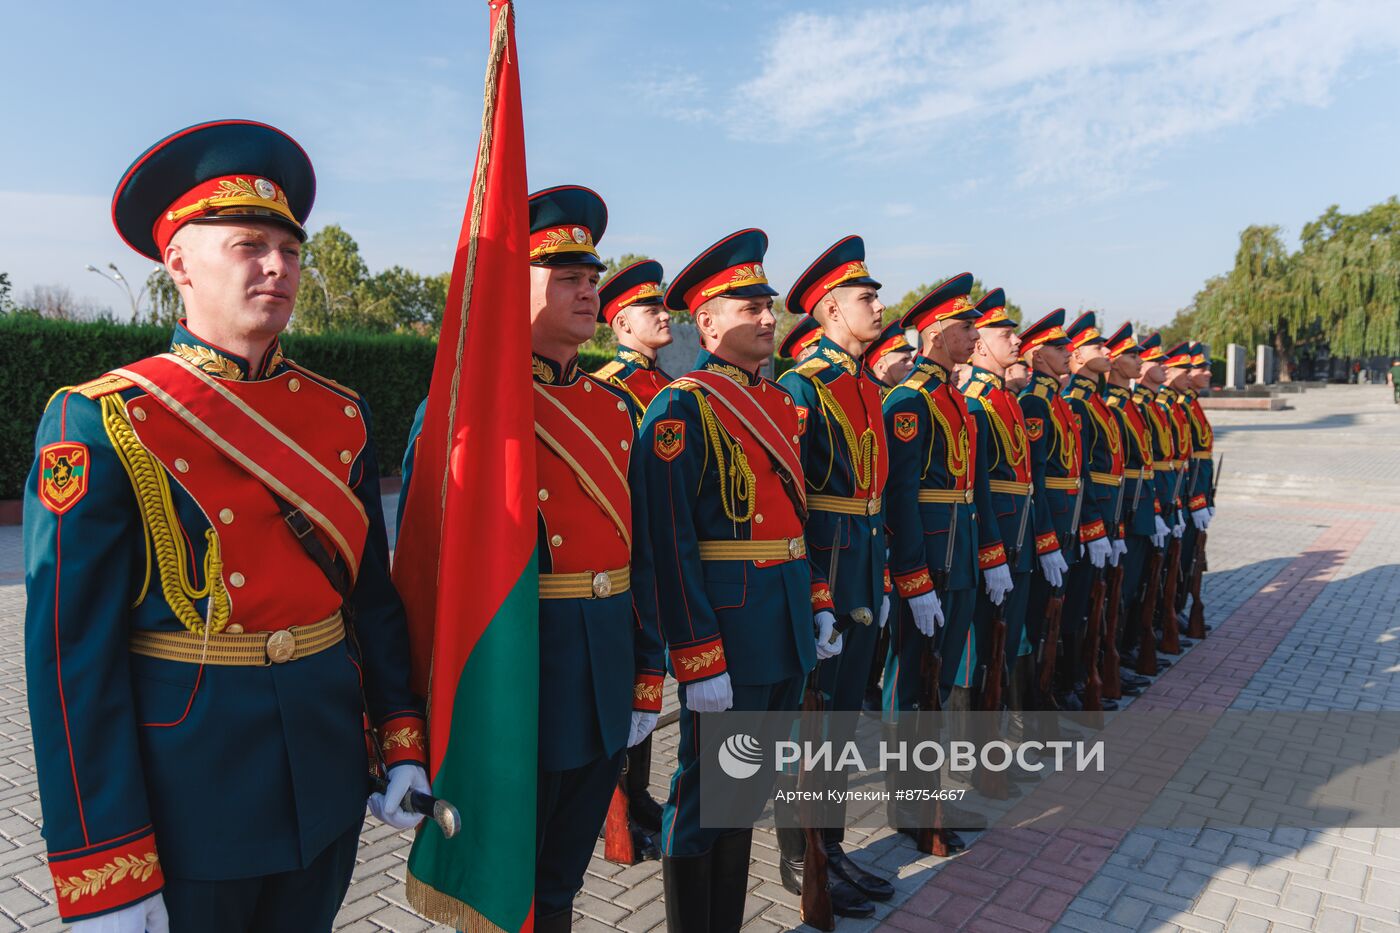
[1347, 277]
[1258, 300]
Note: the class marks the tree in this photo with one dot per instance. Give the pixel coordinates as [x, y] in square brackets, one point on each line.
[57, 302]
[6, 306]
[332, 273]
[167, 306]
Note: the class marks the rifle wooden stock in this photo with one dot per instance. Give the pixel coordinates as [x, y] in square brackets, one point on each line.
[1196, 625]
[1093, 683]
[617, 828]
[1112, 680]
[993, 783]
[931, 839]
[1146, 612]
[1050, 643]
[815, 907]
[1171, 631]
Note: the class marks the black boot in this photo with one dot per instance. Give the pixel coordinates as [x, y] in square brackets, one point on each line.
[846, 901]
[558, 922]
[643, 809]
[685, 885]
[729, 880]
[840, 865]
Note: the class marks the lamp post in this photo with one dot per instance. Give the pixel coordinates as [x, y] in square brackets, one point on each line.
[119, 280]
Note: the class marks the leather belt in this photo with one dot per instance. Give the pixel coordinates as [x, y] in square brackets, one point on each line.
[1106, 479]
[1200, 455]
[1066, 483]
[586, 584]
[843, 505]
[777, 549]
[945, 495]
[242, 649]
[1010, 487]
[1137, 474]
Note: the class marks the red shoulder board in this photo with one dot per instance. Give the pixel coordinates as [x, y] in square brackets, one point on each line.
[1035, 427]
[63, 475]
[669, 439]
[906, 425]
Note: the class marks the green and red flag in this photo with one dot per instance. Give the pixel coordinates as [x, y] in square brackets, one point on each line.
[465, 561]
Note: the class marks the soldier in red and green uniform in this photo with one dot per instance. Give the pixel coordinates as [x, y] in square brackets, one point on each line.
[1099, 521]
[721, 451]
[1200, 495]
[210, 619]
[845, 457]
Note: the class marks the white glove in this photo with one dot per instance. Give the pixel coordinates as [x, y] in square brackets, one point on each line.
[146, 916]
[388, 807]
[1053, 567]
[1212, 512]
[1120, 547]
[1160, 538]
[826, 648]
[1099, 549]
[710, 696]
[1201, 518]
[928, 613]
[997, 582]
[885, 610]
[642, 724]
[1180, 527]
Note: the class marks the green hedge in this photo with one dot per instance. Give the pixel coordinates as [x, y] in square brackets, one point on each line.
[391, 371]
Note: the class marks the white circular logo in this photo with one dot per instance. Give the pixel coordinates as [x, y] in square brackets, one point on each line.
[758, 270]
[265, 189]
[580, 236]
[740, 756]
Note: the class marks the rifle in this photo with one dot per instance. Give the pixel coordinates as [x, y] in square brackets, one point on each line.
[1112, 681]
[1093, 684]
[1146, 609]
[934, 838]
[815, 907]
[1054, 607]
[617, 828]
[1196, 625]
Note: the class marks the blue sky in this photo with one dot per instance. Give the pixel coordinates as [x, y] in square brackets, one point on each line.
[1082, 154]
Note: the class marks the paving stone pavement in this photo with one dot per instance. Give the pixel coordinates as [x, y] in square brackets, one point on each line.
[1300, 556]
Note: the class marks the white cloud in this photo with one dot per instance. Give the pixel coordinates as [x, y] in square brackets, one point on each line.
[1080, 92]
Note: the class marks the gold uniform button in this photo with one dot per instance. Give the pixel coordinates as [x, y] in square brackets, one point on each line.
[544, 495]
[786, 400]
[621, 406]
[233, 628]
[351, 411]
[588, 387]
[226, 516]
[758, 519]
[182, 465]
[294, 384]
[623, 445]
[557, 540]
[345, 456]
[138, 413]
[236, 579]
[794, 438]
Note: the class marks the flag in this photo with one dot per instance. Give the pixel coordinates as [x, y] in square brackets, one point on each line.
[465, 561]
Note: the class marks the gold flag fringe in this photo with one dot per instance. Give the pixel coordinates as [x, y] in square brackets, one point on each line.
[444, 908]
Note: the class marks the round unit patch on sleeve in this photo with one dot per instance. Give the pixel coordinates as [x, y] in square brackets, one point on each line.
[669, 439]
[63, 475]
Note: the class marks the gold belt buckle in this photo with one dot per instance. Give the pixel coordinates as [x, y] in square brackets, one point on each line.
[602, 585]
[281, 645]
[794, 547]
[870, 508]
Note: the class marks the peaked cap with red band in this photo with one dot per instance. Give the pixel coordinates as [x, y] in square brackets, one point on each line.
[841, 265]
[638, 284]
[891, 340]
[803, 334]
[225, 170]
[1048, 331]
[1151, 349]
[566, 224]
[1198, 356]
[947, 302]
[991, 310]
[1122, 342]
[1179, 356]
[733, 267]
[1084, 330]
